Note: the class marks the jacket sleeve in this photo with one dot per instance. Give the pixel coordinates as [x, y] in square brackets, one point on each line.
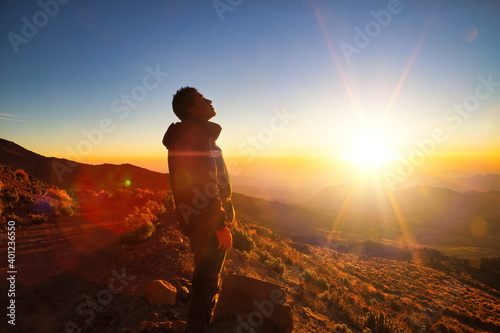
[196, 180]
[225, 189]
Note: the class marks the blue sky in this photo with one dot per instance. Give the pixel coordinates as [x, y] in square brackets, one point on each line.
[262, 57]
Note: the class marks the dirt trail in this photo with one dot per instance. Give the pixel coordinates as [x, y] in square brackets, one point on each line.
[56, 264]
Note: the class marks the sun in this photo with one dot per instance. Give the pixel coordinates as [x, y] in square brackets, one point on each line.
[371, 152]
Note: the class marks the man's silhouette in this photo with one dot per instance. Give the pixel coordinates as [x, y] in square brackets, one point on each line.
[202, 195]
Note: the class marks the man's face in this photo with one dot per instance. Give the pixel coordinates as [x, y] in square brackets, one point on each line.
[202, 108]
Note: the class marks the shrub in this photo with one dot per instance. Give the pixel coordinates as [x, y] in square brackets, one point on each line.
[264, 256]
[12, 217]
[65, 210]
[143, 229]
[277, 266]
[242, 240]
[310, 276]
[322, 283]
[11, 196]
[380, 324]
[440, 327]
[341, 328]
[139, 224]
[58, 194]
[168, 201]
[245, 256]
[25, 197]
[21, 175]
[266, 232]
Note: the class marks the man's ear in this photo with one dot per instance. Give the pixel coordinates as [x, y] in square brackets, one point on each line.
[191, 110]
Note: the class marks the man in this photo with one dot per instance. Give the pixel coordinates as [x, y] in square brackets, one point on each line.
[202, 195]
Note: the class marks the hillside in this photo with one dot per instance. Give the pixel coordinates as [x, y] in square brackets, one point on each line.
[465, 224]
[75, 241]
[66, 174]
[328, 289]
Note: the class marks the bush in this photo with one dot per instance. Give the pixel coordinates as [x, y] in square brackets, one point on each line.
[310, 276]
[143, 230]
[277, 266]
[66, 210]
[440, 327]
[242, 240]
[10, 196]
[322, 283]
[341, 328]
[21, 175]
[12, 217]
[25, 197]
[245, 256]
[380, 324]
[58, 194]
[264, 256]
[140, 224]
[168, 201]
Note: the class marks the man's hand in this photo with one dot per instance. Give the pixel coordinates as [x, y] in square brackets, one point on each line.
[224, 237]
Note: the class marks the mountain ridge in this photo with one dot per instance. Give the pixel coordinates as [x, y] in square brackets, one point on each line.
[66, 173]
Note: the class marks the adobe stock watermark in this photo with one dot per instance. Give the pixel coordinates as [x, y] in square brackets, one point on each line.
[363, 37]
[104, 297]
[264, 309]
[452, 120]
[259, 142]
[121, 107]
[30, 27]
[250, 147]
[222, 6]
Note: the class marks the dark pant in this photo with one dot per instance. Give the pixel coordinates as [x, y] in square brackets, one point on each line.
[208, 261]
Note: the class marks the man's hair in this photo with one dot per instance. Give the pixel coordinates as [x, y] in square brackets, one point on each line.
[183, 98]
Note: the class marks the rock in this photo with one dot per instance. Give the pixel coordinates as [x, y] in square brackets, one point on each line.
[188, 273]
[182, 293]
[159, 291]
[178, 326]
[262, 304]
[146, 326]
[184, 282]
[134, 288]
[171, 314]
[114, 322]
[162, 327]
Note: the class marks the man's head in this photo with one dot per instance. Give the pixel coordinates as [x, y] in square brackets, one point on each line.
[189, 103]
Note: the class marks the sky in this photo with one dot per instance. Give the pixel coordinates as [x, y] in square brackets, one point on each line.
[299, 84]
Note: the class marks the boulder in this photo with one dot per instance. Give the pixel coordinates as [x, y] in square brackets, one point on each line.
[159, 291]
[182, 293]
[178, 326]
[255, 304]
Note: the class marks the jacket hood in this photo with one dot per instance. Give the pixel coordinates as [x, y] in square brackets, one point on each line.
[175, 129]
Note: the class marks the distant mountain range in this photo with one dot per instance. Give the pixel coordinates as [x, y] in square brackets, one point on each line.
[65, 173]
[440, 217]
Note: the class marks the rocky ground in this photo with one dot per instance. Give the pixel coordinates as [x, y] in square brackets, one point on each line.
[75, 276]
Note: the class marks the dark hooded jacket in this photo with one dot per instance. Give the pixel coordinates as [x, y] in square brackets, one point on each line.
[200, 182]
